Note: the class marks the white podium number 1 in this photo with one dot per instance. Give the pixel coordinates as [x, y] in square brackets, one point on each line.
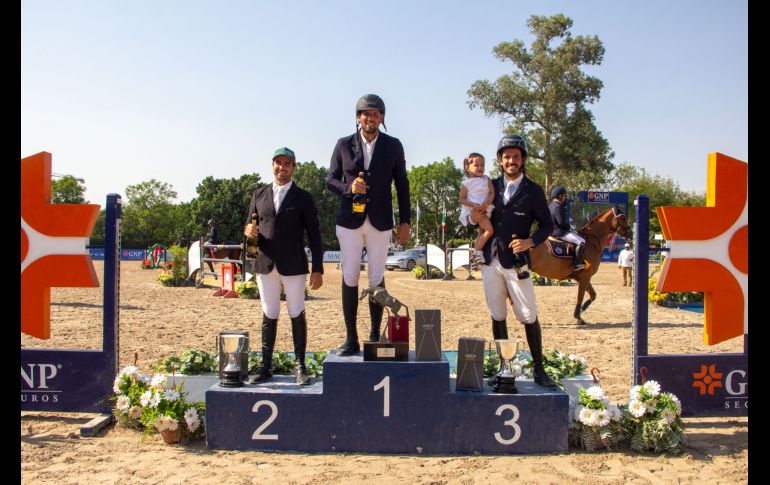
[385, 384]
[274, 414]
[511, 422]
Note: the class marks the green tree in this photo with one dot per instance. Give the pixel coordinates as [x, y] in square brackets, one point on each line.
[224, 200]
[149, 216]
[662, 191]
[67, 190]
[544, 98]
[97, 234]
[435, 186]
[311, 177]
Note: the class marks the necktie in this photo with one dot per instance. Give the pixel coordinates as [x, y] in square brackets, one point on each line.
[509, 190]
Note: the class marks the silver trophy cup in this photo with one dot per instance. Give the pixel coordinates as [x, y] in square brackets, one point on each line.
[506, 380]
[232, 345]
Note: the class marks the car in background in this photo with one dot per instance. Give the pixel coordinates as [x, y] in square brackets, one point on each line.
[407, 260]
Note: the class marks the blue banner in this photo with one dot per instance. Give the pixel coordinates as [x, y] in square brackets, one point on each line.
[97, 254]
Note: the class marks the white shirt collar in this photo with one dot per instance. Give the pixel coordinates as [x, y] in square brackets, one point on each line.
[515, 181]
[282, 188]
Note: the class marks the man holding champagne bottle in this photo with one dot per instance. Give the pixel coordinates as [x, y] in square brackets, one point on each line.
[279, 215]
[363, 167]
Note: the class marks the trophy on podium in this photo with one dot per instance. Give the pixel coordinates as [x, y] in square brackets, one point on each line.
[232, 345]
[394, 346]
[506, 381]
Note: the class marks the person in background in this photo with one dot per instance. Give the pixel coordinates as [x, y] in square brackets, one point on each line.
[626, 264]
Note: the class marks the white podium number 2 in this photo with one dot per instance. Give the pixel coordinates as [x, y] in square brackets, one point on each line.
[274, 414]
[385, 384]
[511, 422]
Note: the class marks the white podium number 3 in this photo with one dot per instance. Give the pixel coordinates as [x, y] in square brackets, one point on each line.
[274, 414]
[511, 422]
[385, 384]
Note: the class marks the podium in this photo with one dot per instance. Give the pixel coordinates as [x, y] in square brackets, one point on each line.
[406, 407]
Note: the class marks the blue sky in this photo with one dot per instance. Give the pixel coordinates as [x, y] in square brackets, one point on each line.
[120, 92]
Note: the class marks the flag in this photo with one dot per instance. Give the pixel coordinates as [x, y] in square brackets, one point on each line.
[443, 223]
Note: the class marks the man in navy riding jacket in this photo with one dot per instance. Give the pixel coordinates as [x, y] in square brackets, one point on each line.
[519, 202]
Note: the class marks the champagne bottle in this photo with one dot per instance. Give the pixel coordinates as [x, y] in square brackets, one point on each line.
[360, 200]
[251, 243]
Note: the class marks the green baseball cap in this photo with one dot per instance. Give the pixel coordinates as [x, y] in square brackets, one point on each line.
[287, 152]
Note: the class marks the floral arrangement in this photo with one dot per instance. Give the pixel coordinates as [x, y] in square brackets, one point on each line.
[247, 289]
[596, 423]
[144, 402]
[165, 278]
[653, 419]
[558, 365]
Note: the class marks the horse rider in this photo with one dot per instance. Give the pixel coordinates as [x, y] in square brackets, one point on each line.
[519, 202]
[561, 227]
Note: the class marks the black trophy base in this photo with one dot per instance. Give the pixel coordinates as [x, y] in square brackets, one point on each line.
[505, 385]
[231, 378]
[386, 351]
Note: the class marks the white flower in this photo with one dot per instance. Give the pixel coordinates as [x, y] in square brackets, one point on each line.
[142, 378]
[652, 405]
[572, 357]
[158, 380]
[155, 400]
[135, 412]
[171, 423]
[652, 388]
[583, 361]
[145, 398]
[604, 417]
[123, 403]
[191, 413]
[116, 384]
[669, 415]
[129, 371]
[596, 392]
[596, 417]
[171, 395]
[516, 369]
[637, 408]
[635, 393]
[615, 412]
[193, 424]
[578, 409]
[677, 403]
[585, 416]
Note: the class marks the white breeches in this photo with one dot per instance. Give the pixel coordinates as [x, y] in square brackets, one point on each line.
[573, 238]
[499, 283]
[270, 293]
[352, 242]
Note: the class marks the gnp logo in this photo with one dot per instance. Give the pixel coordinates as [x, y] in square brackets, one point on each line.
[37, 378]
[53, 245]
[598, 197]
[709, 380]
[709, 249]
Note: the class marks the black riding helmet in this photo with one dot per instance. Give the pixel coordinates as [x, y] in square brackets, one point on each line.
[370, 101]
[557, 191]
[512, 141]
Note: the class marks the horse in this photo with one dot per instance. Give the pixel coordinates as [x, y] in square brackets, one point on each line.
[597, 232]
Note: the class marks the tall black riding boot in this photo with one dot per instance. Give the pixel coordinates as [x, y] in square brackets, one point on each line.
[499, 332]
[349, 311]
[269, 328]
[375, 315]
[299, 335]
[535, 342]
[577, 259]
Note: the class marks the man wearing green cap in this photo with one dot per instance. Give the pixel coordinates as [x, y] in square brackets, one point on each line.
[284, 213]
